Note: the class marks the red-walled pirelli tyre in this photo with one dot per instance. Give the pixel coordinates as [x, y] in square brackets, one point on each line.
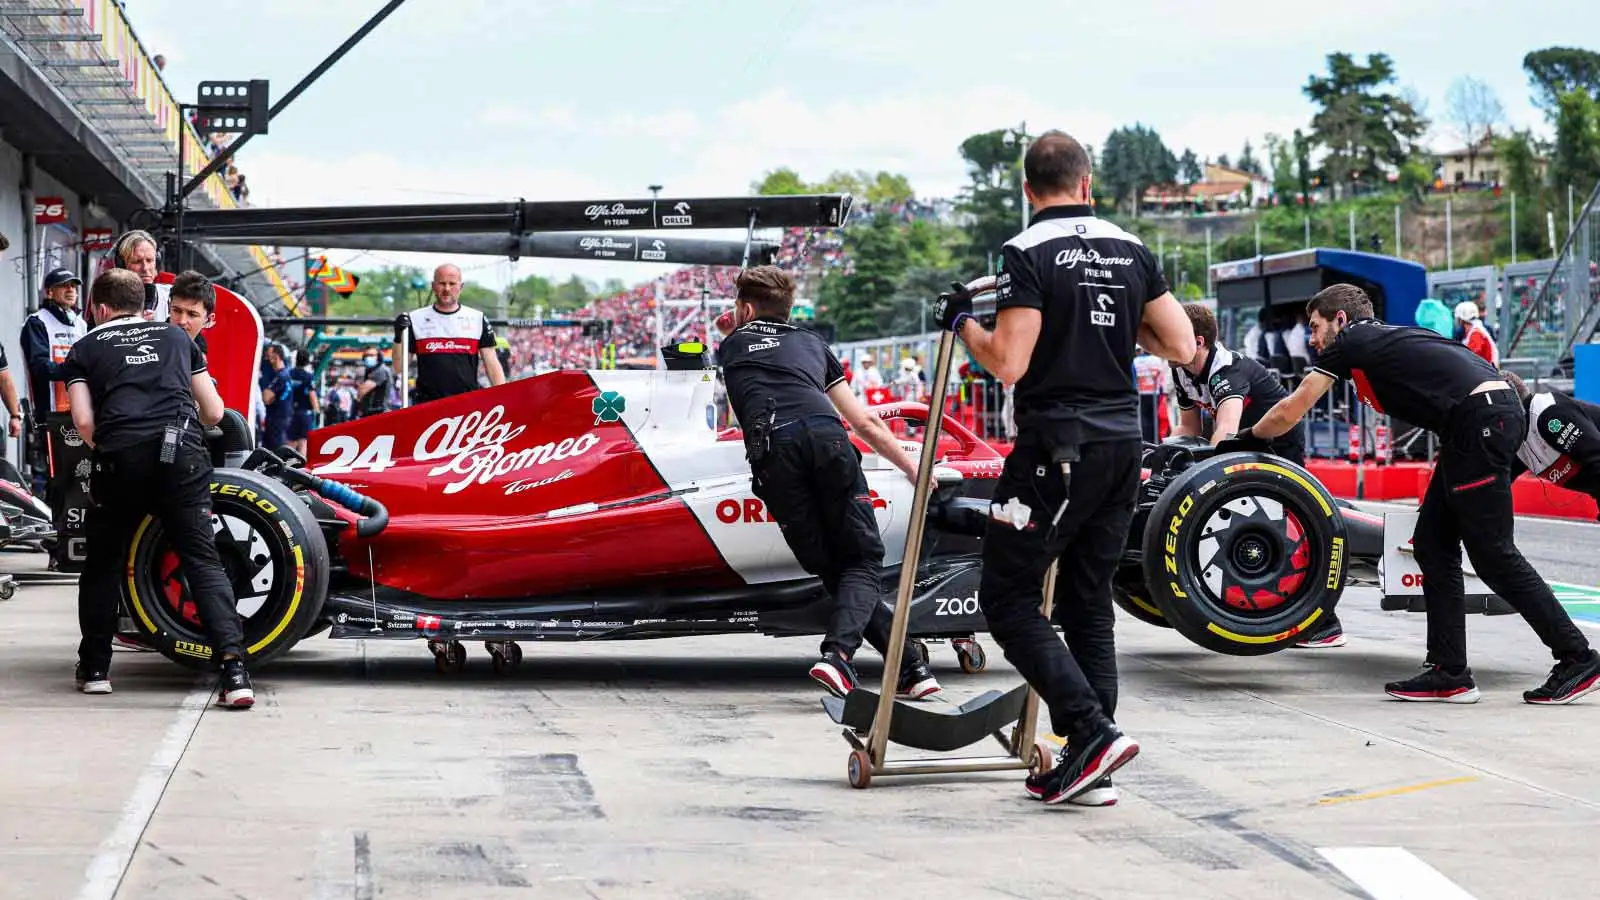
[1244, 553]
[274, 556]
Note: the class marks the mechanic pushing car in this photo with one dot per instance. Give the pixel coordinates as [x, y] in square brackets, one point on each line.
[788, 391]
[1237, 391]
[1074, 294]
[1440, 384]
[136, 390]
[448, 340]
[1562, 446]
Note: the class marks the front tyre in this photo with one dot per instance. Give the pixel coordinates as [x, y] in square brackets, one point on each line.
[273, 554]
[1244, 553]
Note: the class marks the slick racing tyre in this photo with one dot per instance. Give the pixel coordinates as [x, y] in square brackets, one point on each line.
[1129, 591]
[273, 554]
[1244, 553]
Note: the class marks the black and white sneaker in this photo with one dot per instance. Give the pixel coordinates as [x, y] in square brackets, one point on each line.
[96, 682]
[1435, 685]
[235, 691]
[1569, 680]
[835, 673]
[1084, 764]
[916, 683]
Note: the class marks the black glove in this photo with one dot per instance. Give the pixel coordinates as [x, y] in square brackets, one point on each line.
[953, 307]
[1244, 441]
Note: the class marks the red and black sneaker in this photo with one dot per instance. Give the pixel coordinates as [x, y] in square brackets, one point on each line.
[1435, 685]
[834, 672]
[234, 689]
[1569, 680]
[916, 683]
[1085, 766]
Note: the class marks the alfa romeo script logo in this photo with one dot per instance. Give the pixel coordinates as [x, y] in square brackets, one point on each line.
[609, 407]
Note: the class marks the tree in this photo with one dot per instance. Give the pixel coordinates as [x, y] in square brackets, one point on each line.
[1280, 153]
[780, 181]
[1554, 71]
[1222, 160]
[1248, 161]
[1133, 160]
[1361, 126]
[1517, 155]
[859, 305]
[1189, 167]
[1471, 110]
[992, 198]
[1302, 165]
[1576, 160]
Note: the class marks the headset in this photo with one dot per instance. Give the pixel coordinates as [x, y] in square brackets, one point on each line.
[125, 244]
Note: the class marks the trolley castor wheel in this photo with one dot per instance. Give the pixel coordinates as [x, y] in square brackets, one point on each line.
[448, 657]
[860, 769]
[971, 656]
[1042, 760]
[919, 648]
[8, 590]
[506, 656]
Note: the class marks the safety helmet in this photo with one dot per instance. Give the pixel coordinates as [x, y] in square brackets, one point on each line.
[1466, 310]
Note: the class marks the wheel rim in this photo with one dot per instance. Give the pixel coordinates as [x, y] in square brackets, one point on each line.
[246, 561]
[1253, 555]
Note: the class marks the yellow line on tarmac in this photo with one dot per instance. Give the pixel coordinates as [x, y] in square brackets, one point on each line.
[1394, 792]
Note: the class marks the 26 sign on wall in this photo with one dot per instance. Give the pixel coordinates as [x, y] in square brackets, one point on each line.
[49, 210]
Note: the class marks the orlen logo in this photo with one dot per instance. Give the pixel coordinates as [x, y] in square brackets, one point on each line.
[751, 509]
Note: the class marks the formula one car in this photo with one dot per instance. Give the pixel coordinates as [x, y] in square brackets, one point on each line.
[573, 505]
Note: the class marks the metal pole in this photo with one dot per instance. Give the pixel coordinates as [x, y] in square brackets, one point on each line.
[1569, 210]
[1022, 179]
[1513, 227]
[1161, 252]
[1307, 219]
[1209, 287]
[1258, 237]
[1449, 238]
[30, 265]
[1352, 228]
[222, 158]
[1397, 229]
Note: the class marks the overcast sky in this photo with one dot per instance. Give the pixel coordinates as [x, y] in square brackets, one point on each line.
[563, 99]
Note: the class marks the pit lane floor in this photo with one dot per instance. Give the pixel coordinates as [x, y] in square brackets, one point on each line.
[705, 768]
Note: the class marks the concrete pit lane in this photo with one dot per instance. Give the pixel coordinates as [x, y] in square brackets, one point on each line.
[705, 768]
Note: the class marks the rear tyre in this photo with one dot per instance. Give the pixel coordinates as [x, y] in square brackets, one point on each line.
[1128, 590]
[1245, 553]
[273, 554]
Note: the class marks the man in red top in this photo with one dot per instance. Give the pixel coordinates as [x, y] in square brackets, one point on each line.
[1474, 334]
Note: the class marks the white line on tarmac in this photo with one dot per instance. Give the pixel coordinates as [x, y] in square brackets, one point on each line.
[1392, 873]
[104, 876]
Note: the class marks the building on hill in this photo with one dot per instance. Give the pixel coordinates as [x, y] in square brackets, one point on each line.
[1223, 188]
[1477, 165]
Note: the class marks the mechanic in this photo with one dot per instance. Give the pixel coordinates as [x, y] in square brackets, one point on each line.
[788, 391]
[136, 390]
[306, 404]
[1562, 446]
[277, 396]
[192, 305]
[448, 340]
[1074, 295]
[47, 337]
[137, 252]
[372, 395]
[1237, 391]
[1472, 332]
[1439, 384]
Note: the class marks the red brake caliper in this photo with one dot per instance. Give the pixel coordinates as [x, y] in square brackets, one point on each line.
[172, 587]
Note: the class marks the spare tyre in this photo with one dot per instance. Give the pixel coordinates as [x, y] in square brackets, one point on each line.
[1244, 553]
[274, 556]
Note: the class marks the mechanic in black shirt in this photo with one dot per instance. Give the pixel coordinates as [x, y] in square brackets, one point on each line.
[1563, 441]
[1075, 293]
[140, 398]
[1439, 384]
[788, 391]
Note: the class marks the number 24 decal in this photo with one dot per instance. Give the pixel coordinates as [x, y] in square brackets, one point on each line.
[350, 457]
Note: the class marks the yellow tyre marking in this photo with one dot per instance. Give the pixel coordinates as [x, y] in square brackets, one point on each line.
[1147, 606]
[1271, 639]
[1269, 467]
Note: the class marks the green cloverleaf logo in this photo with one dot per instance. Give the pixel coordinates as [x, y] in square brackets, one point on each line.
[608, 407]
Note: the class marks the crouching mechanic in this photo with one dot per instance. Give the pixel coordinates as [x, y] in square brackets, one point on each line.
[1237, 391]
[1563, 441]
[1439, 384]
[140, 398]
[1074, 294]
[788, 391]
